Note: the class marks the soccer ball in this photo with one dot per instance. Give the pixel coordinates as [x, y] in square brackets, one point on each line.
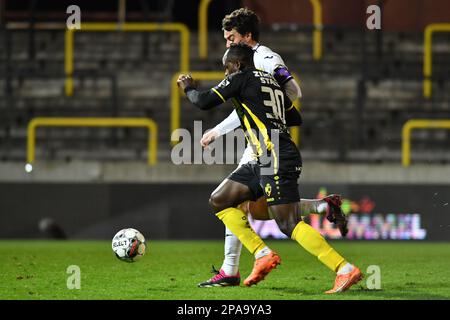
[129, 245]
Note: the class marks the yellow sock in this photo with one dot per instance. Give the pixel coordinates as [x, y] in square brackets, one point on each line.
[310, 239]
[236, 220]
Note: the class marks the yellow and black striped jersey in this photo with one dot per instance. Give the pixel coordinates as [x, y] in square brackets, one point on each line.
[261, 104]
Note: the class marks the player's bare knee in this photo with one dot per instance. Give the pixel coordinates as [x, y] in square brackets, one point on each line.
[213, 203]
[218, 202]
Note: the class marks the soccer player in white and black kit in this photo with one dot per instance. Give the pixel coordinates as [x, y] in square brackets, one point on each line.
[242, 26]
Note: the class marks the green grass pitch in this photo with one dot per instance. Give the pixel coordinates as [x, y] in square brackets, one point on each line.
[170, 270]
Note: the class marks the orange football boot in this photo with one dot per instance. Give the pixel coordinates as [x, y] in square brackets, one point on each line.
[345, 281]
[262, 267]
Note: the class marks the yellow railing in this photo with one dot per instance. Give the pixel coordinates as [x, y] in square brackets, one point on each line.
[94, 122]
[318, 26]
[411, 125]
[175, 100]
[427, 54]
[203, 29]
[133, 27]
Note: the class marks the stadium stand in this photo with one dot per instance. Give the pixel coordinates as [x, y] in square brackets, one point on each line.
[356, 119]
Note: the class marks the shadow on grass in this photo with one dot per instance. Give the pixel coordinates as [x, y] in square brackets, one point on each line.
[361, 293]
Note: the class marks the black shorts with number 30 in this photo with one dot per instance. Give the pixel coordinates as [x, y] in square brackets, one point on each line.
[279, 185]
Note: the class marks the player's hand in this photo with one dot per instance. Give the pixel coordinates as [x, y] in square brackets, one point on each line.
[209, 137]
[184, 81]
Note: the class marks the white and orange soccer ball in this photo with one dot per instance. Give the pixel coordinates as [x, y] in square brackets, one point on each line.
[129, 245]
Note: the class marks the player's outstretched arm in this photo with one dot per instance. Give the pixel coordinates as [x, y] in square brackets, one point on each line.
[204, 100]
[228, 124]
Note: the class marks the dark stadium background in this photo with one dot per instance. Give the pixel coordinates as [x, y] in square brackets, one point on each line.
[90, 182]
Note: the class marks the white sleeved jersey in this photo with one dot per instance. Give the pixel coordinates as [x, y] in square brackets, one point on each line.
[229, 124]
[267, 60]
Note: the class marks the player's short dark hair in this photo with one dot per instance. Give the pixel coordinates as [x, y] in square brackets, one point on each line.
[243, 20]
[240, 52]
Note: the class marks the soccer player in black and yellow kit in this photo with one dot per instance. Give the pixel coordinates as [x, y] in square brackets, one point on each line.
[243, 25]
[265, 113]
